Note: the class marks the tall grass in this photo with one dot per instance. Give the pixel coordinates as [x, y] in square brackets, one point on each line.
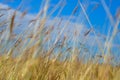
[34, 54]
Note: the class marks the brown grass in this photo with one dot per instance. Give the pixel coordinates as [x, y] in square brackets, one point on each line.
[34, 62]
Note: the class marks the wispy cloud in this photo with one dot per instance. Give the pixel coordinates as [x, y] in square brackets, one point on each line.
[77, 32]
[22, 22]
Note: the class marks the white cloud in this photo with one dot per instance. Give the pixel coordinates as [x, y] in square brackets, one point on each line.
[22, 24]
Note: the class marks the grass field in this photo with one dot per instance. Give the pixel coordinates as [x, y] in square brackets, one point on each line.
[24, 56]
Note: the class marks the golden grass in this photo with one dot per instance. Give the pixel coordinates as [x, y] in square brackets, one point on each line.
[35, 63]
[44, 69]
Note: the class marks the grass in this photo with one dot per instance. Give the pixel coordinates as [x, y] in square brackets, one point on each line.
[25, 56]
[44, 69]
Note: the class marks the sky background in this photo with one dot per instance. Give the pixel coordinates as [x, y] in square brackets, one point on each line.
[95, 12]
[95, 9]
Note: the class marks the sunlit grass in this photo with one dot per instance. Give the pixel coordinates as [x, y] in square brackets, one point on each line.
[44, 69]
[25, 56]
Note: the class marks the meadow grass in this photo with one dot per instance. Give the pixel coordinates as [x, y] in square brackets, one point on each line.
[27, 59]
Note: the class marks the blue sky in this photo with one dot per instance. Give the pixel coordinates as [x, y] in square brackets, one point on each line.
[97, 17]
[95, 11]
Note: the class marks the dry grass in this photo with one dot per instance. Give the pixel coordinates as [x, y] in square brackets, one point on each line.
[40, 68]
[27, 59]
